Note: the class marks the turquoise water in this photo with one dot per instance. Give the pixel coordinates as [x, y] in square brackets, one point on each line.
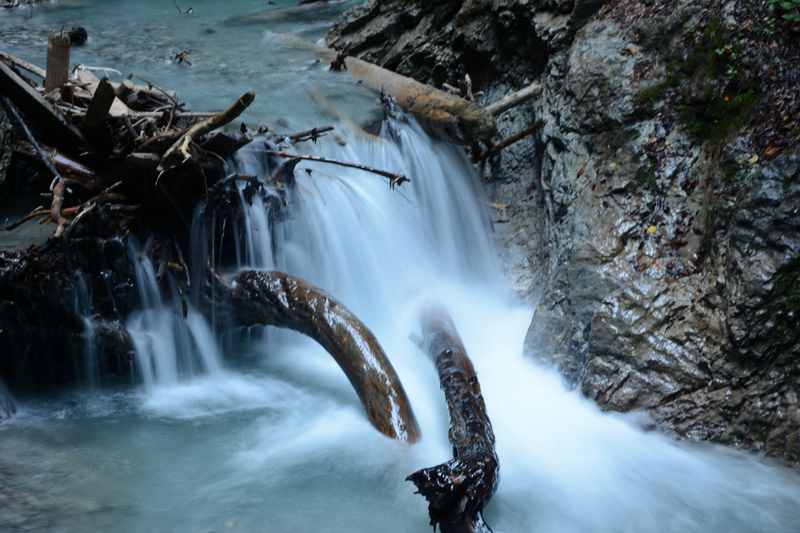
[271, 438]
[231, 49]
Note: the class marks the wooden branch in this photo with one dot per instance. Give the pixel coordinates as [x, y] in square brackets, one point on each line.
[12, 110]
[178, 114]
[179, 153]
[99, 107]
[514, 99]
[53, 127]
[505, 143]
[55, 207]
[278, 299]
[38, 212]
[24, 65]
[458, 490]
[458, 118]
[395, 180]
[309, 135]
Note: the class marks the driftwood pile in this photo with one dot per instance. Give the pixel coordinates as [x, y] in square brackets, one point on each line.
[132, 153]
[126, 147]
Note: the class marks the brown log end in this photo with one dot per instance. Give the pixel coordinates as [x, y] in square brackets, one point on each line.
[457, 491]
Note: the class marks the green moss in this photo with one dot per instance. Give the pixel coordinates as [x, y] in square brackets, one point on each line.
[729, 169]
[713, 96]
[646, 177]
[649, 97]
[714, 118]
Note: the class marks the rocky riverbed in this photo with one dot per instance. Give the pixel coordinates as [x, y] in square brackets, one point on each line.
[652, 220]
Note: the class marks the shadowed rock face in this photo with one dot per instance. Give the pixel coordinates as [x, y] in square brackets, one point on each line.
[652, 221]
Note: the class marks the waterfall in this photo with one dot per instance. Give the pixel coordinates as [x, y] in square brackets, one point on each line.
[171, 339]
[83, 308]
[381, 252]
[7, 406]
[336, 232]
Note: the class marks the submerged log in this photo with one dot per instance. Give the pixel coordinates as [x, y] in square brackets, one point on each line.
[458, 490]
[278, 299]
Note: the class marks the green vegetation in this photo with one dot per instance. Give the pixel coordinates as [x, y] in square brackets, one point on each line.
[646, 176]
[712, 92]
[788, 10]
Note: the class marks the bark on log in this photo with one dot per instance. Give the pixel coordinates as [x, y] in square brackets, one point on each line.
[24, 65]
[278, 299]
[458, 490]
[514, 99]
[94, 122]
[58, 45]
[458, 118]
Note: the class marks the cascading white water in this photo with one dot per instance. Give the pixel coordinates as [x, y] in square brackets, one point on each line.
[280, 442]
[565, 466]
[168, 345]
[83, 308]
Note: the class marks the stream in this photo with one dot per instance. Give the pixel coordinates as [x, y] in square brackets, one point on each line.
[262, 432]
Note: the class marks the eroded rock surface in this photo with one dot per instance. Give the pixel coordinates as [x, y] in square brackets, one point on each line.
[653, 220]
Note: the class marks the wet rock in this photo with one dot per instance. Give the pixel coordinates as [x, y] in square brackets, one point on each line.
[78, 36]
[657, 238]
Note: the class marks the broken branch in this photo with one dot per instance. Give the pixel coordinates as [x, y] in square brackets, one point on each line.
[178, 153]
[514, 99]
[395, 180]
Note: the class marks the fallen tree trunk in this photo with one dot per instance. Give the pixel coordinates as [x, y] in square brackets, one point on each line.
[278, 299]
[456, 117]
[458, 490]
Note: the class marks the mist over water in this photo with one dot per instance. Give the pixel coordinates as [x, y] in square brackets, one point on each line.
[266, 434]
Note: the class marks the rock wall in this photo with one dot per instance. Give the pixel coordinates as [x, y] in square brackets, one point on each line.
[653, 218]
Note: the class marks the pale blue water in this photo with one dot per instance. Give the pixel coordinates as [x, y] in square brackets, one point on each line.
[273, 439]
[229, 55]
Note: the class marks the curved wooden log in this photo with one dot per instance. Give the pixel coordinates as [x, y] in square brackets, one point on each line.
[278, 299]
[458, 490]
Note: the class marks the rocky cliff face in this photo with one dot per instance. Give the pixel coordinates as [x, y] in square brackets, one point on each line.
[653, 219]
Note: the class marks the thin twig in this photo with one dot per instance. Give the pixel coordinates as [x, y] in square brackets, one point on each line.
[505, 143]
[395, 180]
[14, 112]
